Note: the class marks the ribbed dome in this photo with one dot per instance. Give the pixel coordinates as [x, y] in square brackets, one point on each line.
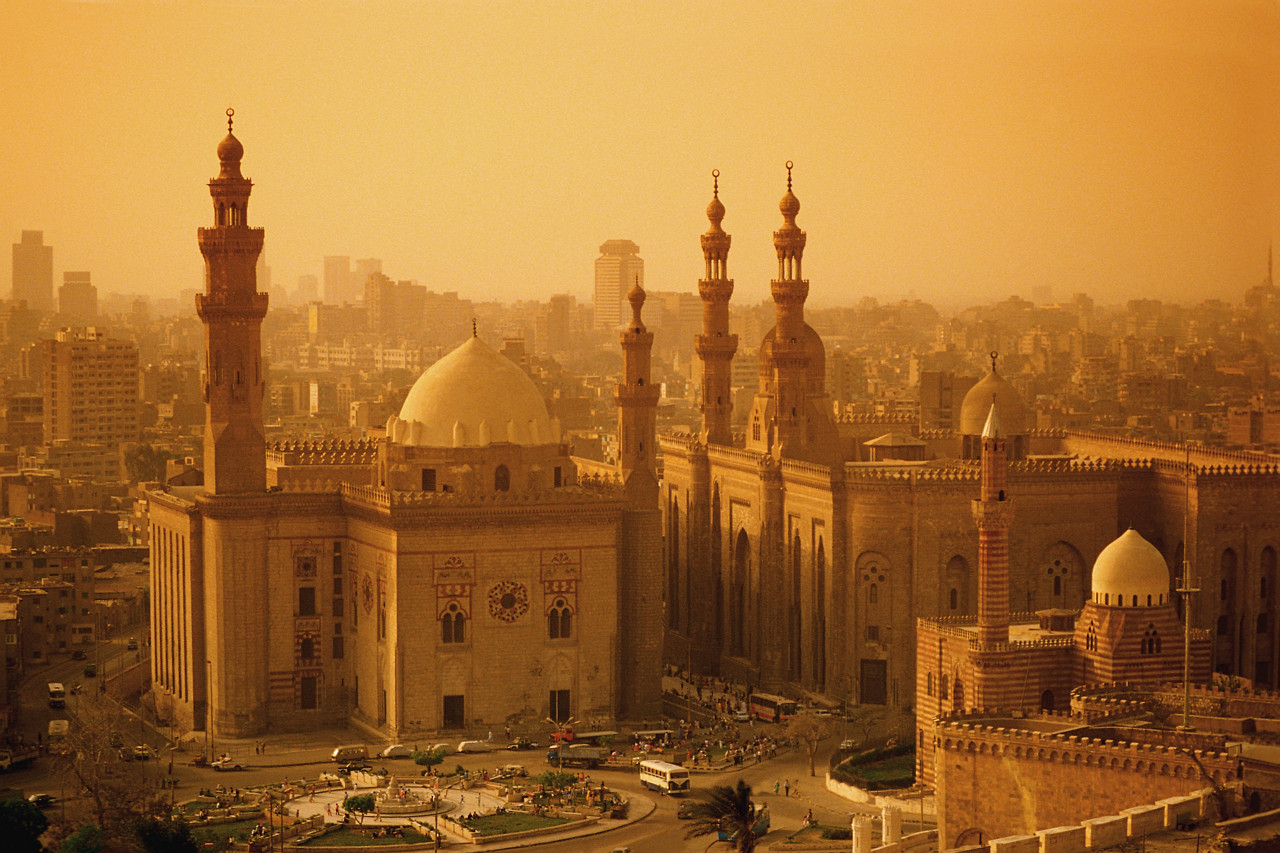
[1130, 572]
[977, 406]
[472, 397]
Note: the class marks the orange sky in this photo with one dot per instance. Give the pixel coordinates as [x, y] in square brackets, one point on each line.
[944, 147]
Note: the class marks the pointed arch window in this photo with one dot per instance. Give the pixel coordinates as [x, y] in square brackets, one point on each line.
[560, 621]
[502, 479]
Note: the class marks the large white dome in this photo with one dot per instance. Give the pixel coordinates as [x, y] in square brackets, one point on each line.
[1130, 572]
[473, 397]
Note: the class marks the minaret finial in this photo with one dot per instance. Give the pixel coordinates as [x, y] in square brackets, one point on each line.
[789, 165]
[715, 183]
[994, 356]
[474, 333]
[230, 113]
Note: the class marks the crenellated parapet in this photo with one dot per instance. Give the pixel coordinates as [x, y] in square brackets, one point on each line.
[331, 452]
[896, 419]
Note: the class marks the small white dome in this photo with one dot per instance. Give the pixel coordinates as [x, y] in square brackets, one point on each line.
[472, 397]
[1130, 572]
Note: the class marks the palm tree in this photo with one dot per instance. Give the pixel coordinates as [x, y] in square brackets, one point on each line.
[730, 809]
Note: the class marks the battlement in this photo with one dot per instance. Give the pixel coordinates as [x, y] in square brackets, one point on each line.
[331, 452]
[590, 489]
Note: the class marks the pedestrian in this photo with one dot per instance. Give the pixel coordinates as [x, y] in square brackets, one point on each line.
[490, 735]
[508, 732]
[786, 786]
[776, 785]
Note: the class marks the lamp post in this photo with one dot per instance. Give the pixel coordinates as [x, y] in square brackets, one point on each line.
[208, 708]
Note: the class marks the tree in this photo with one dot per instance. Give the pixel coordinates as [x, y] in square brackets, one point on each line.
[428, 757]
[87, 839]
[359, 805]
[811, 731]
[116, 790]
[164, 836]
[144, 463]
[865, 718]
[21, 825]
[730, 809]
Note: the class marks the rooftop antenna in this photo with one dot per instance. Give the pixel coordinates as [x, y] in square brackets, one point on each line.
[1186, 590]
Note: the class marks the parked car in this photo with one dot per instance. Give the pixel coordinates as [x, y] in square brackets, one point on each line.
[226, 763]
[90, 670]
[475, 746]
[684, 811]
[41, 801]
[143, 751]
[522, 743]
[132, 645]
[396, 750]
[79, 654]
[353, 767]
[445, 748]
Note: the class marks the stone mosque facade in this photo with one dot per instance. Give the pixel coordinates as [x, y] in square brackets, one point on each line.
[458, 572]
[800, 555]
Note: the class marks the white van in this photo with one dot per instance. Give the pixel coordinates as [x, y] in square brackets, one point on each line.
[475, 746]
[348, 753]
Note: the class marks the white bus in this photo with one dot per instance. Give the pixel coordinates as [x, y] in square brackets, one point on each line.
[57, 695]
[664, 777]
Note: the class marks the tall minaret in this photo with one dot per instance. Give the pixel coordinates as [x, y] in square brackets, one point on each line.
[640, 622]
[232, 310]
[715, 346]
[637, 396]
[993, 512]
[790, 358]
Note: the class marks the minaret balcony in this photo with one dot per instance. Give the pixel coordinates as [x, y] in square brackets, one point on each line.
[230, 240]
[723, 346]
[993, 514]
[637, 395]
[231, 306]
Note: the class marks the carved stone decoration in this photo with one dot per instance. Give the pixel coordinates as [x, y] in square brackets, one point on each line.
[508, 601]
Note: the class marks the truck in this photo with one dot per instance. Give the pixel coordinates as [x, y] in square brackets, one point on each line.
[560, 755]
[12, 759]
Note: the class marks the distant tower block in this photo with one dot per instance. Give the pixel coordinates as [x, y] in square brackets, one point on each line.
[232, 310]
[33, 272]
[617, 269]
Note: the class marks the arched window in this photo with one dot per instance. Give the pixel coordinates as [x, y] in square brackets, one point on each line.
[1057, 586]
[307, 648]
[928, 684]
[954, 598]
[560, 621]
[942, 687]
[501, 479]
[873, 594]
[453, 625]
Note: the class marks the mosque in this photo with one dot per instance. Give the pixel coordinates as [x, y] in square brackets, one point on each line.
[800, 556]
[460, 572]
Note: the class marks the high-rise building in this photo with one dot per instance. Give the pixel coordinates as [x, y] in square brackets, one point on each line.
[33, 271]
[78, 298]
[618, 269]
[339, 281]
[90, 388]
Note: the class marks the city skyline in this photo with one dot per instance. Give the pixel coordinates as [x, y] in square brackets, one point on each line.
[948, 151]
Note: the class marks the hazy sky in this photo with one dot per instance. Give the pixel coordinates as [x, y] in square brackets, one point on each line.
[1117, 148]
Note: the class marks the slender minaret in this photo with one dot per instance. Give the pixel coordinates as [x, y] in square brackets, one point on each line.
[790, 358]
[640, 622]
[993, 513]
[715, 346]
[232, 310]
[637, 396]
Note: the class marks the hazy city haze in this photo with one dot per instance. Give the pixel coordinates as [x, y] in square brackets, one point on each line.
[946, 149]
